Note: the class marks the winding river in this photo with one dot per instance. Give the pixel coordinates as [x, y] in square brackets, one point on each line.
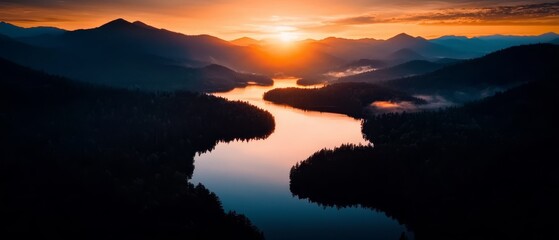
[252, 177]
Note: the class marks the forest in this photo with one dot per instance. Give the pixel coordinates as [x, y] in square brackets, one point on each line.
[346, 98]
[87, 162]
[482, 171]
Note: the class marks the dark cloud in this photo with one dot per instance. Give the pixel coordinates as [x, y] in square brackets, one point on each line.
[454, 3]
[354, 20]
[524, 14]
[543, 12]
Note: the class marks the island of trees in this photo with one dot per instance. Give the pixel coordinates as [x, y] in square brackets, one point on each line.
[87, 162]
[346, 98]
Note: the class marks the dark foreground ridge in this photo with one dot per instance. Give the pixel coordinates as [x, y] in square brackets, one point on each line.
[86, 162]
[487, 170]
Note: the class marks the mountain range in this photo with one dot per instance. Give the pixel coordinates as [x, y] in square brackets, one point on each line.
[131, 55]
[136, 55]
[482, 77]
[407, 69]
[486, 44]
[13, 31]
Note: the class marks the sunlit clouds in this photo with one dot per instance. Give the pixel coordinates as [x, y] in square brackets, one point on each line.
[293, 20]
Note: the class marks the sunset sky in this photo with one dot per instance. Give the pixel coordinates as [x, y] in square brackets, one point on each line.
[298, 19]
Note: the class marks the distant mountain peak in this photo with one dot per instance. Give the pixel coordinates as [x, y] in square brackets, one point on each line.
[401, 36]
[120, 22]
[142, 24]
[245, 41]
[245, 38]
[7, 25]
[405, 39]
[549, 34]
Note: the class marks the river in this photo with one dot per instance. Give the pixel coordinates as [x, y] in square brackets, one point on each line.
[252, 177]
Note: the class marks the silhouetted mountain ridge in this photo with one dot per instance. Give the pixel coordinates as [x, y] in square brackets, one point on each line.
[136, 45]
[118, 23]
[410, 68]
[353, 49]
[14, 31]
[491, 43]
[480, 77]
[405, 39]
[245, 41]
[118, 54]
[142, 24]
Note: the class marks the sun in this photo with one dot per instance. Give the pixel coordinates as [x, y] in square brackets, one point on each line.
[285, 34]
[287, 37]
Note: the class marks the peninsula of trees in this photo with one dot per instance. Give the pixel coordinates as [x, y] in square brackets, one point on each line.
[346, 98]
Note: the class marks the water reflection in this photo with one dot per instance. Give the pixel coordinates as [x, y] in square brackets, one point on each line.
[253, 177]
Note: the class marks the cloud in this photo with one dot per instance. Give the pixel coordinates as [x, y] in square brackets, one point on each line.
[433, 102]
[543, 13]
[524, 14]
[354, 20]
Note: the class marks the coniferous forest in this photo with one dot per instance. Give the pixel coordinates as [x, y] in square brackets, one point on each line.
[89, 162]
[482, 171]
[345, 98]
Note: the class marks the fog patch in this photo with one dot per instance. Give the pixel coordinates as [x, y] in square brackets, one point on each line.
[432, 102]
[350, 71]
[488, 92]
[469, 95]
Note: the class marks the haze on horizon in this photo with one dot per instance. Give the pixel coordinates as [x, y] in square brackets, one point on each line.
[294, 19]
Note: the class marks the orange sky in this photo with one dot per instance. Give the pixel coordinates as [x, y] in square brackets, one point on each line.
[298, 19]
